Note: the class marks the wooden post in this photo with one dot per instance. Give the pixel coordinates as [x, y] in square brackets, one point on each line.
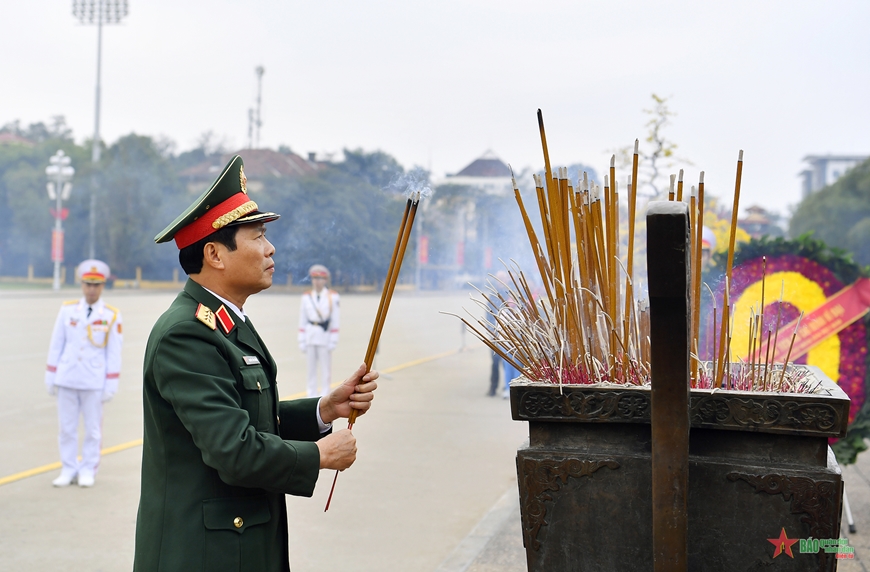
[175, 275]
[138, 276]
[668, 273]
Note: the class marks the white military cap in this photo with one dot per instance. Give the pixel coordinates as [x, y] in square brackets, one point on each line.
[318, 271]
[93, 270]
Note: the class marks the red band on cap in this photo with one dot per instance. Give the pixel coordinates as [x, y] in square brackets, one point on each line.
[203, 226]
[93, 276]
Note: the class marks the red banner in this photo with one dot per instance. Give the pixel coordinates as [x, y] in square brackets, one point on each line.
[837, 313]
[56, 245]
[423, 257]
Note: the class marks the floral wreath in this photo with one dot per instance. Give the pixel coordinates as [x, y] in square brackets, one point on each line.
[811, 272]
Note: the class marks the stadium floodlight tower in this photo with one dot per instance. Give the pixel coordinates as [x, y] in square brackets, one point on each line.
[99, 12]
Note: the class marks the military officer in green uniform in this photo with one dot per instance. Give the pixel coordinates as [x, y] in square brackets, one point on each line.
[220, 451]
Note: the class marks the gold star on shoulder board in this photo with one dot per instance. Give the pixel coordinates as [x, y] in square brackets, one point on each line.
[206, 316]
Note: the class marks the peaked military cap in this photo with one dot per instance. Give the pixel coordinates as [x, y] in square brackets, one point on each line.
[225, 203]
[93, 271]
[318, 271]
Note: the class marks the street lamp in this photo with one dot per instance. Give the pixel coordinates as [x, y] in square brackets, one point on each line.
[59, 173]
[98, 12]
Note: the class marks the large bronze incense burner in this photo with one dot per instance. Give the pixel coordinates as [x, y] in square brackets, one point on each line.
[758, 463]
[664, 477]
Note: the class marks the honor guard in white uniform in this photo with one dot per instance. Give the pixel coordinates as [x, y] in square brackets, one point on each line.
[319, 319]
[84, 362]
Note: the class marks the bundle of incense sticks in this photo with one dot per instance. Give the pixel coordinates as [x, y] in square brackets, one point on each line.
[390, 281]
[586, 325]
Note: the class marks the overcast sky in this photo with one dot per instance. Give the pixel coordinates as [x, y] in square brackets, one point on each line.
[438, 83]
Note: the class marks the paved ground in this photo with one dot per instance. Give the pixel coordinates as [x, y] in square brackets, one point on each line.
[435, 453]
[434, 487]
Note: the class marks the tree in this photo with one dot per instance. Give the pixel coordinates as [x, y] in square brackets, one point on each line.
[138, 193]
[343, 217]
[25, 220]
[656, 156]
[839, 214]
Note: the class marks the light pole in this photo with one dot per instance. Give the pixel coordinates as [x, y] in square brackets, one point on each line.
[260, 70]
[59, 173]
[97, 12]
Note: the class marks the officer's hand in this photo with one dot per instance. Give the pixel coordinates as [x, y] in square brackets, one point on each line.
[338, 450]
[355, 393]
[302, 348]
[52, 389]
[107, 396]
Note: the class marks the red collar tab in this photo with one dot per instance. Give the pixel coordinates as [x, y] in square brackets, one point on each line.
[225, 319]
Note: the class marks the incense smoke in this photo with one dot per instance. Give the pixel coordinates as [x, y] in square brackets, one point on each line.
[414, 181]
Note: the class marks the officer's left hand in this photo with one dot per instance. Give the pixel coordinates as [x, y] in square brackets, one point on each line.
[355, 393]
[107, 396]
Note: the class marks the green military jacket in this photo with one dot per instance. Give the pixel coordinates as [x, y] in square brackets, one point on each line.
[220, 451]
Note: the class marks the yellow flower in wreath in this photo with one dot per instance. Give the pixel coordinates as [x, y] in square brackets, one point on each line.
[802, 293]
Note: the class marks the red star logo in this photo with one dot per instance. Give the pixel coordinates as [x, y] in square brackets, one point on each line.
[783, 544]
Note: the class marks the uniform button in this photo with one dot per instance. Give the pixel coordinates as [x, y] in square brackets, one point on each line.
[238, 522]
[259, 388]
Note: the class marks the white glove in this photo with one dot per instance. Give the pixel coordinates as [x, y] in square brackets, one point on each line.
[331, 347]
[303, 348]
[50, 387]
[107, 396]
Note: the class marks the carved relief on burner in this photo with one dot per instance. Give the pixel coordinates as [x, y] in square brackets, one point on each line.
[739, 413]
[817, 501]
[540, 478]
[585, 405]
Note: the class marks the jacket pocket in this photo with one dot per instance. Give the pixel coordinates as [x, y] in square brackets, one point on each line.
[254, 378]
[231, 524]
[257, 397]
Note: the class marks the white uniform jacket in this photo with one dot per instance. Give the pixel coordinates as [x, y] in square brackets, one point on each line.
[85, 352]
[319, 319]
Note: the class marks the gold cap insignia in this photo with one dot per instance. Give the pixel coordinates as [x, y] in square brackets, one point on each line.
[243, 179]
[206, 316]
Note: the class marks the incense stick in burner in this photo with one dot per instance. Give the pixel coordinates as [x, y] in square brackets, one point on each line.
[680, 186]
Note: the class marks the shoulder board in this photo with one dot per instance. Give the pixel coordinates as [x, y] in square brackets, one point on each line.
[206, 316]
[112, 308]
[70, 302]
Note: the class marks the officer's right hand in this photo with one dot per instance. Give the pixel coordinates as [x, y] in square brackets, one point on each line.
[338, 450]
[52, 389]
[302, 348]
